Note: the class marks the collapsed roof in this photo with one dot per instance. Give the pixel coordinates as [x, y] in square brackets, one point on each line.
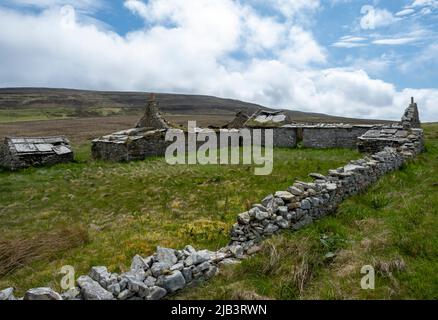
[43, 145]
[238, 122]
[270, 119]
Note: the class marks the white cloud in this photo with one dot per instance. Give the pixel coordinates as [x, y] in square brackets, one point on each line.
[301, 49]
[137, 7]
[422, 3]
[352, 38]
[263, 33]
[425, 59]
[395, 41]
[350, 42]
[404, 12]
[376, 18]
[346, 44]
[289, 8]
[373, 66]
[190, 48]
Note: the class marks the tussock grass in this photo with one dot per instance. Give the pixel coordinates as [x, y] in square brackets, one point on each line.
[21, 250]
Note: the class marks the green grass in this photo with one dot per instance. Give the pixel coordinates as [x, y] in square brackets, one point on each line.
[395, 223]
[8, 115]
[32, 114]
[130, 208]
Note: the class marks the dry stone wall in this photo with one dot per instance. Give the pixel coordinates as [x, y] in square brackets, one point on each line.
[129, 145]
[304, 202]
[140, 143]
[333, 136]
[285, 137]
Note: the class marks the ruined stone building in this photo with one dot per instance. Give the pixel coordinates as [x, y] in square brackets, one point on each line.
[407, 133]
[148, 138]
[238, 122]
[16, 153]
[377, 139]
[130, 144]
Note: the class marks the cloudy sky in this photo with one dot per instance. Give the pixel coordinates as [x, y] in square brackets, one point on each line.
[342, 57]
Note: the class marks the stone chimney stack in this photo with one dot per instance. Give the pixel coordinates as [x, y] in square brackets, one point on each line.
[152, 117]
[411, 118]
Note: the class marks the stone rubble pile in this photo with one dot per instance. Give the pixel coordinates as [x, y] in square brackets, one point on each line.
[150, 278]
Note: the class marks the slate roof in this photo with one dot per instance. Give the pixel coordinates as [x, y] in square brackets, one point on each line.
[43, 145]
[267, 118]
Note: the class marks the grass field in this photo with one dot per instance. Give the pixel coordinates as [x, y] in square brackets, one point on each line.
[95, 213]
[10, 115]
[84, 129]
[392, 227]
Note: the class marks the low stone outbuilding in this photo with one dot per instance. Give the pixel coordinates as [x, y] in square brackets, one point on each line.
[23, 152]
[147, 139]
[407, 133]
[131, 144]
[377, 139]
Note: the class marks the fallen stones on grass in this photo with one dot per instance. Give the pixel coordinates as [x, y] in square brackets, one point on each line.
[244, 218]
[285, 196]
[7, 294]
[71, 294]
[173, 282]
[156, 293]
[158, 268]
[166, 255]
[42, 294]
[139, 263]
[92, 290]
